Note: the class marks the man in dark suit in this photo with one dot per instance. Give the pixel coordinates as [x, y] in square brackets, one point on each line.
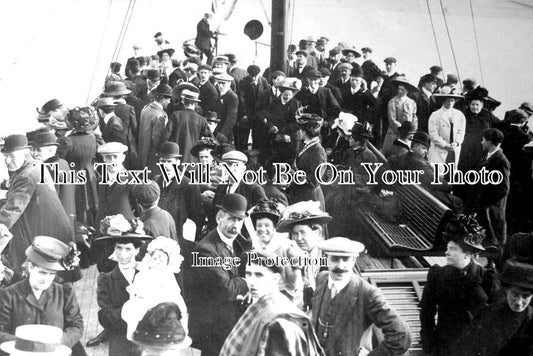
[215, 305]
[358, 99]
[370, 69]
[203, 37]
[345, 307]
[182, 200]
[236, 162]
[343, 81]
[300, 68]
[111, 294]
[333, 61]
[489, 200]
[324, 82]
[320, 101]
[31, 208]
[250, 89]
[227, 106]
[111, 125]
[208, 93]
[425, 103]
[521, 189]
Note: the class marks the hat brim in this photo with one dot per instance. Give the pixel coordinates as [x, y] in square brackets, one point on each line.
[181, 346]
[126, 237]
[14, 149]
[171, 155]
[282, 87]
[238, 214]
[195, 150]
[286, 226]
[115, 93]
[346, 51]
[421, 143]
[512, 281]
[191, 99]
[410, 86]
[9, 347]
[445, 96]
[44, 145]
[42, 262]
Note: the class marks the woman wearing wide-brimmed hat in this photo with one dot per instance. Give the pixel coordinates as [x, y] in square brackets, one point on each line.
[306, 224]
[446, 128]
[505, 327]
[456, 290]
[265, 217]
[308, 159]
[399, 109]
[37, 299]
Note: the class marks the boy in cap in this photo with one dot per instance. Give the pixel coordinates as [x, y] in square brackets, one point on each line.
[216, 294]
[156, 221]
[345, 306]
[272, 324]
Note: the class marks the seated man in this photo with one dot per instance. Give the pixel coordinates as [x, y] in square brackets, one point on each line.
[272, 324]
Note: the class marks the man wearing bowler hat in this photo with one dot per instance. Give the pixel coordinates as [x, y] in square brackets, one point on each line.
[153, 128]
[253, 193]
[227, 106]
[345, 307]
[44, 147]
[187, 126]
[31, 208]
[182, 200]
[215, 305]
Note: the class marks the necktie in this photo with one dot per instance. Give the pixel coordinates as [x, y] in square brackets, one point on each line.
[450, 158]
[334, 291]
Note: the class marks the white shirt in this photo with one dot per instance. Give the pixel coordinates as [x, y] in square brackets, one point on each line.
[339, 285]
[127, 272]
[491, 153]
[227, 241]
[427, 92]
[108, 117]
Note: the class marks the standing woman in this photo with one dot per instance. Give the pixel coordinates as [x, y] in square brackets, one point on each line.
[446, 128]
[455, 291]
[38, 300]
[400, 108]
[80, 148]
[308, 159]
[306, 222]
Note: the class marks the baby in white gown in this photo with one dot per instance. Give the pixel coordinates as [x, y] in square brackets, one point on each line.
[155, 283]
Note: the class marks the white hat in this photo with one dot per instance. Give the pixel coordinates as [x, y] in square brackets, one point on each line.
[112, 148]
[223, 77]
[36, 340]
[345, 122]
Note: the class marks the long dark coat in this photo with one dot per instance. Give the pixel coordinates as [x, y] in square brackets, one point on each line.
[213, 306]
[227, 108]
[203, 35]
[489, 201]
[360, 104]
[32, 209]
[456, 295]
[111, 295]
[57, 306]
[308, 161]
[80, 148]
[208, 97]
[65, 192]
[323, 103]
[114, 130]
[159, 222]
[471, 148]
[186, 128]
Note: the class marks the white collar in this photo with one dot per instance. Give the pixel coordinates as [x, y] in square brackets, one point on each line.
[339, 285]
[226, 240]
[493, 152]
[408, 143]
[313, 91]
[160, 107]
[427, 92]
[108, 117]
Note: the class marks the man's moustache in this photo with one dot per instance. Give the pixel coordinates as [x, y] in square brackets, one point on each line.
[338, 270]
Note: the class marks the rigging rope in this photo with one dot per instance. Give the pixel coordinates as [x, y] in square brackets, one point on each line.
[126, 29]
[99, 51]
[450, 40]
[476, 40]
[292, 4]
[435, 36]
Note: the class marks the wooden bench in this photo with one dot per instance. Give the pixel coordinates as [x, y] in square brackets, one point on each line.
[417, 231]
[402, 290]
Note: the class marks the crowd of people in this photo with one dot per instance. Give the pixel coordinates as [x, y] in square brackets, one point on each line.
[112, 185]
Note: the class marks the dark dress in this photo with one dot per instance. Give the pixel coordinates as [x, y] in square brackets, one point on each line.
[307, 160]
[80, 148]
[456, 295]
[57, 306]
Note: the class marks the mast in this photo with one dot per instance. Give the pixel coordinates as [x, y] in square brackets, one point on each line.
[279, 41]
